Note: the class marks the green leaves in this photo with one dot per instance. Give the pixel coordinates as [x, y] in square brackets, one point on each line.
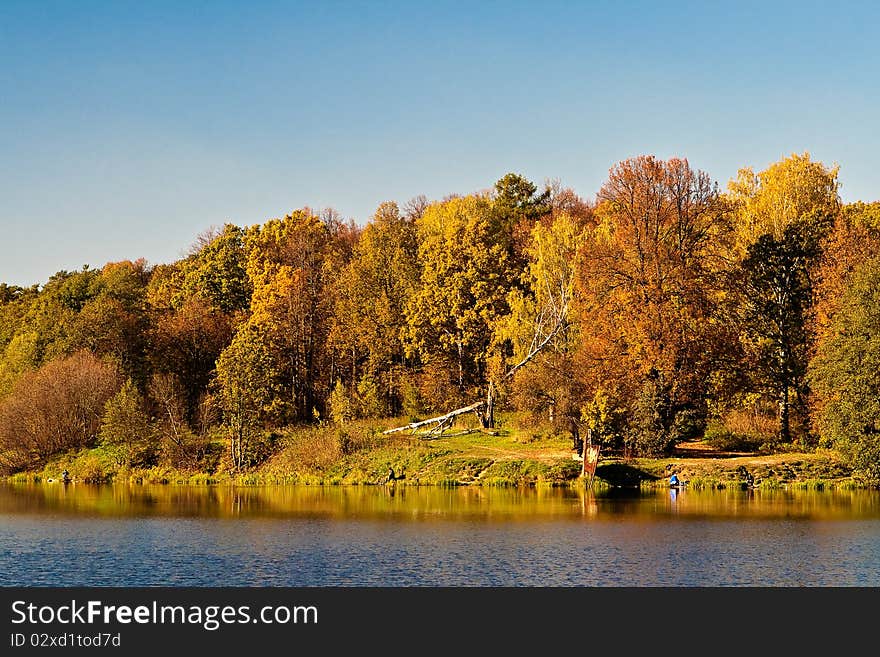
[846, 374]
[125, 427]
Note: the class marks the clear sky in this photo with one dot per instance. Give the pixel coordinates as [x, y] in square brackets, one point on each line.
[128, 128]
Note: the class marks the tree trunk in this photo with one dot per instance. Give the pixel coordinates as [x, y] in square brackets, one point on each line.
[487, 418]
[460, 365]
[785, 415]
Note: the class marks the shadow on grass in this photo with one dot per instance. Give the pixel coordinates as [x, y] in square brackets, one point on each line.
[621, 475]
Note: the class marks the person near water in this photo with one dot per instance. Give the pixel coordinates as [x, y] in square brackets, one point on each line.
[674, 480]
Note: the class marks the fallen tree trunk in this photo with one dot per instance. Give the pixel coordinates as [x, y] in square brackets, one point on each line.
[440, 420]
[487, 417]
[540, 341]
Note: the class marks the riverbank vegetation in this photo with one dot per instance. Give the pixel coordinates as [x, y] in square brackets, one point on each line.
[509, 456]
[660, 315]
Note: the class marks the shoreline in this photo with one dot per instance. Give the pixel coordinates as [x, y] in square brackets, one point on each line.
[795, 470]
[513, 455]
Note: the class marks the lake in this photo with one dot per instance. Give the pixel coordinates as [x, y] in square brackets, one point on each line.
[82, 535]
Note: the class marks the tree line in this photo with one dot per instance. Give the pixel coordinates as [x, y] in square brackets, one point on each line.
[660, 310]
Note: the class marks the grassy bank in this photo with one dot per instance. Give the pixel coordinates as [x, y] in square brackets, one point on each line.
[512, 455]
[806, 470]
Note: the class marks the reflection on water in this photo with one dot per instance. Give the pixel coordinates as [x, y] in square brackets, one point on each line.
[426, 502]
[52, 534]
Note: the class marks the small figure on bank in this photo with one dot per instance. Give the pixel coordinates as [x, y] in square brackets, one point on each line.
[391, 476]
[745, 474]
[674, 481]
[65, 476]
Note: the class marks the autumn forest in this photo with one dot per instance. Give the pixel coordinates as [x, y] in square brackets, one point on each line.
[665, 308]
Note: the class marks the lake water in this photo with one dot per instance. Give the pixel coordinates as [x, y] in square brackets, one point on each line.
[80, 535]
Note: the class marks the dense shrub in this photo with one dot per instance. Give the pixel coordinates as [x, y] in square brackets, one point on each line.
[725, 440]
[54, 409]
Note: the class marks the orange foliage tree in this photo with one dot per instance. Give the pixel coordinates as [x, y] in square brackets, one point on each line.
[648, 289]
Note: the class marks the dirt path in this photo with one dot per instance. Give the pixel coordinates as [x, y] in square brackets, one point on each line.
[533, 455]
[702, 450]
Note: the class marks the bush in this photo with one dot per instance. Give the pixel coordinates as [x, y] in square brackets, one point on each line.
[55, 409]
[562, 471]
[369, 398]
[96, 465]
[411, 401]
[341, 405]
[344, 443]
[125, 428]
[312, 447]
[725, 440]
[91, 468]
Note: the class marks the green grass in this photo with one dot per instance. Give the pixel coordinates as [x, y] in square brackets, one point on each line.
[511, 455]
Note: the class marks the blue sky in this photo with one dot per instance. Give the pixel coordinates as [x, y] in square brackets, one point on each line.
[127, 128]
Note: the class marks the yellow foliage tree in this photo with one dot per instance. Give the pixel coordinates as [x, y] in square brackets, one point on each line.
[768, 202]
[292, 263]
[466, 274]
[369, 322]
[782, 216]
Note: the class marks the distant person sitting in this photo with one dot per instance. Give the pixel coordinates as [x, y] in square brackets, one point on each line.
[745, 474]
[674, 480]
